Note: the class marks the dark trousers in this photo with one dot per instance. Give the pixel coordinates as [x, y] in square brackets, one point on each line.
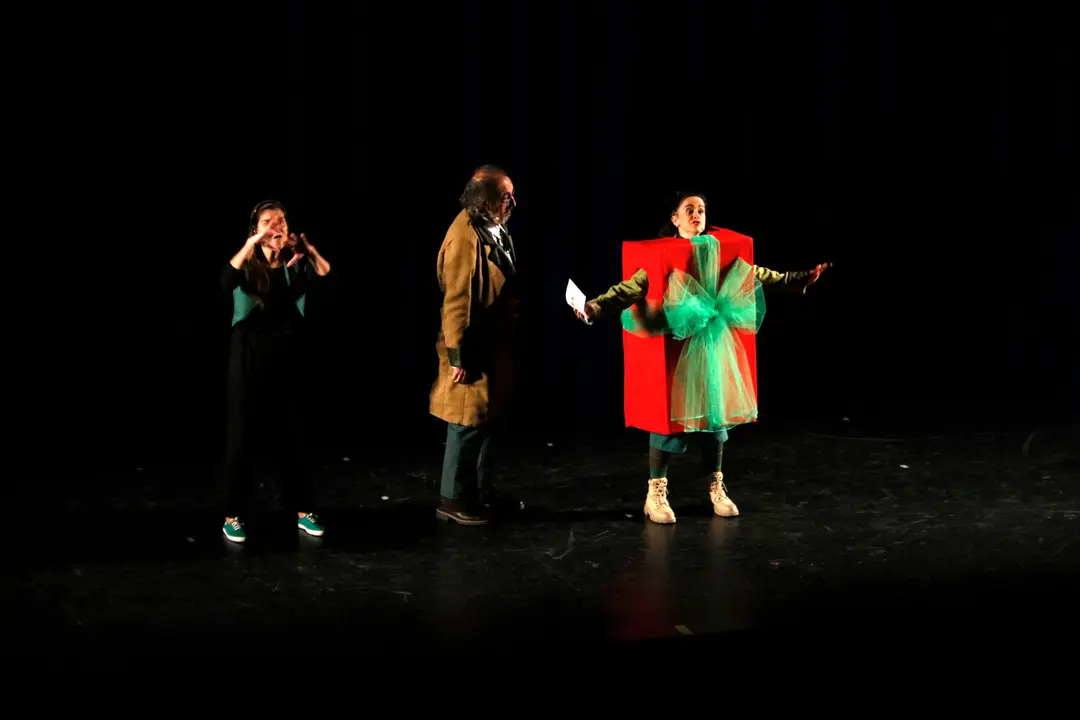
[265, 435]
[466, 462]
[662, 447]
[248, 456]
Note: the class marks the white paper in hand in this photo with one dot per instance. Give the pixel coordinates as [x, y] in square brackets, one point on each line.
[575, 298]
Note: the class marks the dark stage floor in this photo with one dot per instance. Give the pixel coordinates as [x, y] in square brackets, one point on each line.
[919, 539]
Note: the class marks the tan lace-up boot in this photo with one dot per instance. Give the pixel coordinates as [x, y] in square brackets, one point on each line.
[656, 502]
[721, 503]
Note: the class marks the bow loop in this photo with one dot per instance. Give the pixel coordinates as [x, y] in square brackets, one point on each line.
[713, 387]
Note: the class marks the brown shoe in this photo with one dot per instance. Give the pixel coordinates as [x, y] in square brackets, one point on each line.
[460, 513]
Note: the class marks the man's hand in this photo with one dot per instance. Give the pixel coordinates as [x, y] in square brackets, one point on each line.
[459, 374]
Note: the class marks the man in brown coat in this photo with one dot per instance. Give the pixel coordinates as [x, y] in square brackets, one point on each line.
[476, 344]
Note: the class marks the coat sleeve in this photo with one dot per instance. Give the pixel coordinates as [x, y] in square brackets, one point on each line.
[791, 281]
[621, 296]
[457, 272]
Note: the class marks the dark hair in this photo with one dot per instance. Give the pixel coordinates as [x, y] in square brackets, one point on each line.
[669, 229]
[482, 193]
[256, 270]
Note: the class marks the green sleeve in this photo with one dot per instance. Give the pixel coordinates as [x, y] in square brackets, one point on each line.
[793, 281]
[621, 296]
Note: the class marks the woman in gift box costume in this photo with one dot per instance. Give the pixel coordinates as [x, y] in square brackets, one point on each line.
[700, 324]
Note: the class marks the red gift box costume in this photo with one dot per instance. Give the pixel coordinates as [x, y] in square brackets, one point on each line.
[667, 370]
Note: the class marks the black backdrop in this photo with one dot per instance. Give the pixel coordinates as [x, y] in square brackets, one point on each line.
[928, 150]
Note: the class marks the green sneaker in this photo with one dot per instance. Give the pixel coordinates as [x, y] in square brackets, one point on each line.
[310, 524]
[234, 531]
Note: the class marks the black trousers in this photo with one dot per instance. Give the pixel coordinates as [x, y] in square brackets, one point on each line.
[466, 462]
[265, 425]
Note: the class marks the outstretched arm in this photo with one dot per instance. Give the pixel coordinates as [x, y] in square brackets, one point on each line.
[792, 281]
[618, 297]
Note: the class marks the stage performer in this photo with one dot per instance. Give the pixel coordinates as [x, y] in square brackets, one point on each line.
[477, 270]
[268, 281]
[712, 389]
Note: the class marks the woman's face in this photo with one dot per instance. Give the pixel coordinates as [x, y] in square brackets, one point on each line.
[274, 219]
[689, 219]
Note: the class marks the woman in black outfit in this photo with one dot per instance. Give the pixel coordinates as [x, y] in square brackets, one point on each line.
[268, 279]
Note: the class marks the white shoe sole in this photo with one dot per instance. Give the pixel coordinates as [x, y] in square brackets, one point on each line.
[309, 531]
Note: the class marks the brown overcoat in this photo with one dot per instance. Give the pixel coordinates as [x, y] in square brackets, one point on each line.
[478, 326]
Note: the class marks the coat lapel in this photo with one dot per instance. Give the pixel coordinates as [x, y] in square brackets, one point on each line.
[502, 259]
